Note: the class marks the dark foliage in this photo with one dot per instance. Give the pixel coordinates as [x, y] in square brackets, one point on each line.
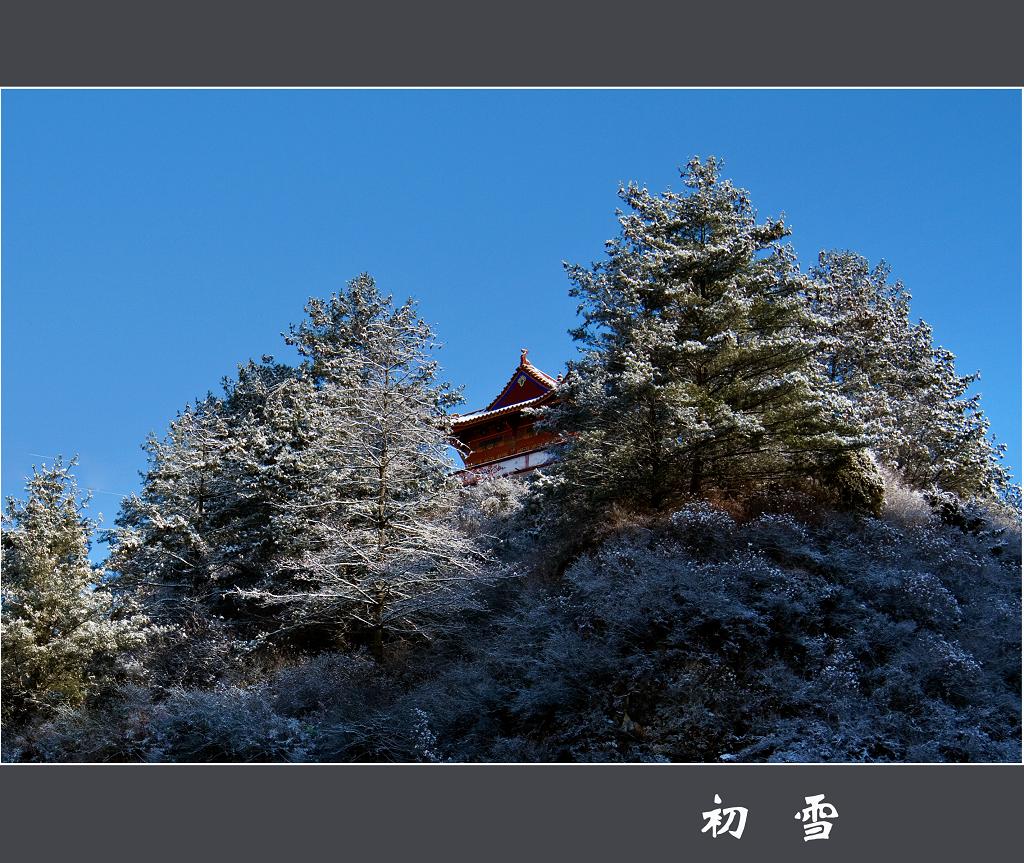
[698, 637]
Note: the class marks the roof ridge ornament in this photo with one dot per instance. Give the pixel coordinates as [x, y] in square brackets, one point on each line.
[522, 355]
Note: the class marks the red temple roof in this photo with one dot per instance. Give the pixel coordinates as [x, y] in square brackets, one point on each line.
[528, 387]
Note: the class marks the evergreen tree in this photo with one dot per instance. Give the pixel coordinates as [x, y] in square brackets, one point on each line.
[923, 422]
[387, 554]
[268, 412]
[324, 491]
[164, 541]
[697, 367]
[212, 514]
[63, 628]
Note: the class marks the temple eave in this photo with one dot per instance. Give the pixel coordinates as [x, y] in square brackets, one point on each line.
[502, 438]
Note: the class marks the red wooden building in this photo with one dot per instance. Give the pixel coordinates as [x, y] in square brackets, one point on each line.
[501, 439]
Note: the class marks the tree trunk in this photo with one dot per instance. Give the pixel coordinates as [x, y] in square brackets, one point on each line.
[377, 628]
[697, 476]
[377, 643]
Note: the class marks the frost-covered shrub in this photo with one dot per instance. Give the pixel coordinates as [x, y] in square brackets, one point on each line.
[852, 639]
[114, 729]
[781, 530]
[701, 526]
[229, 724]
[491, 504]
[857, 483]
[921, 596]
[904, 505]
[501, 514]
[845, 638]
[782, 537]
[947, 667]
[225, 724]
[333, 682]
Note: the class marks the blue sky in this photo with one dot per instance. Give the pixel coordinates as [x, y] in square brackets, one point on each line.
[152, 240]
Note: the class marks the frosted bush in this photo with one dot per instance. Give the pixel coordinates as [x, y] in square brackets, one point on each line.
[779, 527]
[949, 668]
[230, 724]
[848, 638]
[904, 505]
[923, 597]
[425, 739]
[701, 526]
[839, 677]
[701, 516]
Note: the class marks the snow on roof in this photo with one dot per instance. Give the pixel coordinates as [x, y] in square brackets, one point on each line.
[527, 366]
[544, 380]
[459, 419]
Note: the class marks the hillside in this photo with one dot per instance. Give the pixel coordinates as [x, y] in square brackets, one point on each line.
[770, 523]
[698, 637]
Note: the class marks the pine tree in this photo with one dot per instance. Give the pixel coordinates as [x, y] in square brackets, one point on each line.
[923, 423]
[318, 498]
[697, 367]
[63, 628]
[270, 430]
[388, 555]
[212, 514]
[164, 540]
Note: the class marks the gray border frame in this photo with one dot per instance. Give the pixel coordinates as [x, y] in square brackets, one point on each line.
[534, 43]
[495, 812]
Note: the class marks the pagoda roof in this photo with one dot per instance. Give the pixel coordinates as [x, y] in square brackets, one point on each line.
[466, 419]
[528, 387]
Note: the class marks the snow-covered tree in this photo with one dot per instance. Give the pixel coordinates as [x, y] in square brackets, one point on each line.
[266, 409]
[944, 436]
[318, 498]
[64, 629]
[698, 356]
[923, 421]
[208, 516]
[162, 543]
[387, 553]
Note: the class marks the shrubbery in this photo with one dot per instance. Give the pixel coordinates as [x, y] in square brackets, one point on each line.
[699, 638]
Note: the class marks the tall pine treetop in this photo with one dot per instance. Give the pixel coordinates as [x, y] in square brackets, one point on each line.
[697, 343]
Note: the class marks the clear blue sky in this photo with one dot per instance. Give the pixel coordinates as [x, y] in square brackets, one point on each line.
[152, 240]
